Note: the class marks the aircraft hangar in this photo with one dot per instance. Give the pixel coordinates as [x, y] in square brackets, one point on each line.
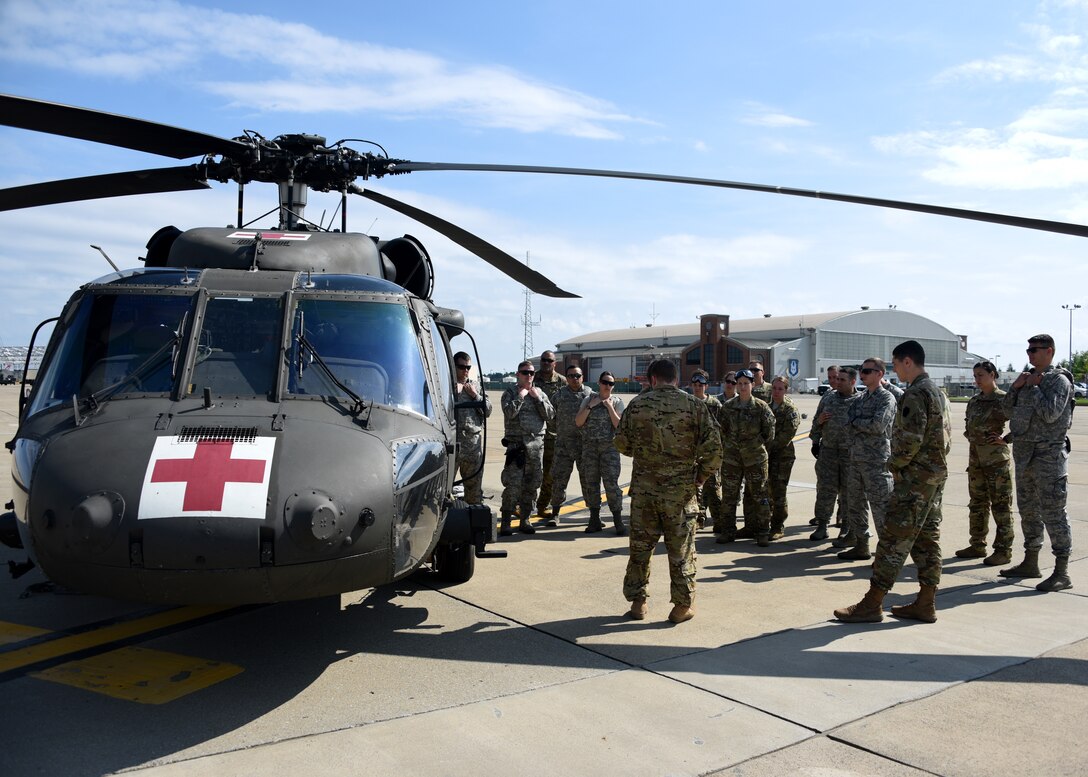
[799, 346]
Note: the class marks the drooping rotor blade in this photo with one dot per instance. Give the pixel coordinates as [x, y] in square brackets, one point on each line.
[112, 129]
[164, 179]
[496, 257]
[1061, 227]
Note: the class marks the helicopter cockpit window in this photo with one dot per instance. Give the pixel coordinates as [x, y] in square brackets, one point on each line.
[237, 351]
[371, 347]
[126, 341]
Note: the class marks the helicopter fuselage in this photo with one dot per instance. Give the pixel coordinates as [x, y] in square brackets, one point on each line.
[239, 436]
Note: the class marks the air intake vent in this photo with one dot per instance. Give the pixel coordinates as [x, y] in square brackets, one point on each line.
[218, 433]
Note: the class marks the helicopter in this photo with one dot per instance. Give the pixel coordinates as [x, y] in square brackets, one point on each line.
[260, 415]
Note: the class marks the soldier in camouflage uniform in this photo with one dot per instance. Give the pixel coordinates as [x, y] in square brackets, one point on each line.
[989, 475]
[831, 445]
[549, 381]
[1040, 409]
[676, 448]
[761, 389]
[568, 441]
[869, 483]
[747, 427]
[470, 425]
[600, 463]
[921, 437]
[710, 495]
[780, 453]
[526, 412]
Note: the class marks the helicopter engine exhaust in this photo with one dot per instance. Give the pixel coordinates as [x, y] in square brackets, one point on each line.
[414, 270]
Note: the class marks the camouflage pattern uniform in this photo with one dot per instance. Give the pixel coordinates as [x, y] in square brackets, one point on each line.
[1039, 419]
[568, 441]
[989, 473]
[550, 388]
[869, 483]
[600, 463]
[781, 457]
[762, 391]
[747, 429]
[710, 495]
[833, 463]
[673, 442]
[921, 437]
[470, 451]
[525, 421]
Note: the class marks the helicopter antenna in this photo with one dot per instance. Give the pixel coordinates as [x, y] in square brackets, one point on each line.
[526, 319]
[106, 257]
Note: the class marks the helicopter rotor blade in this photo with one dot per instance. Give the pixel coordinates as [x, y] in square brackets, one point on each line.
[1061, 227]
[164, 179]
[496, 257]
[112, 129]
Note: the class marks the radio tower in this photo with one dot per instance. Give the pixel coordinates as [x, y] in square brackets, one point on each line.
[527, 321]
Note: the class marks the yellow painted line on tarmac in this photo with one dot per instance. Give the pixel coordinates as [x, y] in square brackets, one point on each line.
[55, 648]
[16, 632]
[140, 674]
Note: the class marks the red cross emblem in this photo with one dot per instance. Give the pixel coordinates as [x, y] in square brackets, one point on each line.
[207, 473]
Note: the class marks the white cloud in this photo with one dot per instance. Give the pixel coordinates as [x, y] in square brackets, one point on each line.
[764, 116]
[134, 40]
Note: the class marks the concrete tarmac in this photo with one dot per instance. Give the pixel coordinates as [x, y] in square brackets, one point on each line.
[531, 667]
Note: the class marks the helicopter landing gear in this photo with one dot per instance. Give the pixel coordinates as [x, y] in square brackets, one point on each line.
[455, 563]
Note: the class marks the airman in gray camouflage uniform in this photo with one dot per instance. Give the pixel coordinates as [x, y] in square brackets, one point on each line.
[470, 426]
[549, 381]
[568, 436]
[831, 444]
[747, 427]
[921, 437]
[989, 472]
[676, 448]
[869, 483]
[1040, 408]
[600, 463]
[781, 454]
[526, 412]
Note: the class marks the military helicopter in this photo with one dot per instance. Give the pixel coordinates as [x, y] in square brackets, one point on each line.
[260, 415]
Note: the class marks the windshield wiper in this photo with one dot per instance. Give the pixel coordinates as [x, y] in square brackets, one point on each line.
[97, 399]
[360, 405]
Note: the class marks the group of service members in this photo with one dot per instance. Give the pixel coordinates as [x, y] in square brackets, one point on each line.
[871, 456]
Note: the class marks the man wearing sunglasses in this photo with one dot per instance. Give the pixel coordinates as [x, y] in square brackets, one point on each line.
[470, 429]
[600, 463]
[761, 389]
[710, 495]
[831, 445]
[550, 382]
[568, 444]
[1040, 410]
[868, 481]
[526, 412]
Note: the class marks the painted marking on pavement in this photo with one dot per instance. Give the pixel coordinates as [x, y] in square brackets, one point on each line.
[140, 674]
[16, 632]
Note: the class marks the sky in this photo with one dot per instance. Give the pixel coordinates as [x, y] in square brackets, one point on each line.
[975, 104]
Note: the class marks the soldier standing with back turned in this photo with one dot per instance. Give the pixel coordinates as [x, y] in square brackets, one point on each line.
[676, 448]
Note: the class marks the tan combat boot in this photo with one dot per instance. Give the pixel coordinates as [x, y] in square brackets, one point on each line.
[638, 609]
[1029, 567]
[997, 558]
[922, 609]
[868, 610]
[682, 612]
[860, 551]
[972, 551]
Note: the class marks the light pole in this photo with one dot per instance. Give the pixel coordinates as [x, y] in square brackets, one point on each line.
[1070, 308]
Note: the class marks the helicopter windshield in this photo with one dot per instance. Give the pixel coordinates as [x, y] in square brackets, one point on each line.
[109, 337]
[237, 352]
[371, 347]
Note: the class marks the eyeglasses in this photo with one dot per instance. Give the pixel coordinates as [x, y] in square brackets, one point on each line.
[731, 382]
[699, 379]
[1035, 348]
[867, 370]
[526, 372]
[547, 361]
[574, 376]
[464, 366]
[607, 382]
[756, 369]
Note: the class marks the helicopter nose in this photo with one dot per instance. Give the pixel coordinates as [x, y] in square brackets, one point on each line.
[315, 516]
